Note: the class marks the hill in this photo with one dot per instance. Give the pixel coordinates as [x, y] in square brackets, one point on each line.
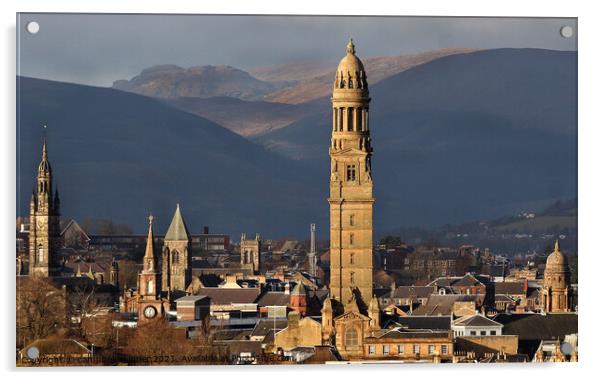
[378, 69]
[463, 137]
[247, 118]
[119, 156]
[171, 81]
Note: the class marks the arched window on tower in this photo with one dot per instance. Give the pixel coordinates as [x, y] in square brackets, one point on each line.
[40, 254]
[351, 238]
[175, 257]
[352, 258]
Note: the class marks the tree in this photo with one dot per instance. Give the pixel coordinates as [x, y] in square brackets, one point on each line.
[41, 309]
[156, 339]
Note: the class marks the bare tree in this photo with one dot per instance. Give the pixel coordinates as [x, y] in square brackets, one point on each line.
[41, 309]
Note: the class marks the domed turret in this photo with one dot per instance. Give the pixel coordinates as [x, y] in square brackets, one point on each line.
[556, 258]
[350, 72]
[556, 292]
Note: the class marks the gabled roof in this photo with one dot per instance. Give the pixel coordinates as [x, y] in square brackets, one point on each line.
[177, 230]
[439, 304]
[476, 320]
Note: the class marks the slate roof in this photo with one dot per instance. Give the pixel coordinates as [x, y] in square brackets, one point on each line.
[438, 304]
[227, 296]
[57, 347]
[513, 287]
[424, 323]
[400, 333]
[274, 299]
[538, 326]
[413, 291]
[476, 320]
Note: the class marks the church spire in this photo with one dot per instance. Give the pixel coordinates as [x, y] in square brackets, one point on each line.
[177, 230]
[149, 254]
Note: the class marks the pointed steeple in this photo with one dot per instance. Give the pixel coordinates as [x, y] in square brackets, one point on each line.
[177, 230]
[556, 246]
[149, 253]
[79, 271]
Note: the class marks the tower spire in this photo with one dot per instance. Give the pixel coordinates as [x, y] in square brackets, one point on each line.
[556, 246]
[149, 253]
[350, 47]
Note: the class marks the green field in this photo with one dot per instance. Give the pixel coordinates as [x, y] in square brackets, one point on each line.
[540, 224]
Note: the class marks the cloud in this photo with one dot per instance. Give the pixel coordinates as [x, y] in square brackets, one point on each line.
[98, 49]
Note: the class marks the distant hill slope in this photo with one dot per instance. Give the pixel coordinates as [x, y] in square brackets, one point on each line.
[378, 68]
[120, 156]
[171, 81]
[462, 137]
[247, 118]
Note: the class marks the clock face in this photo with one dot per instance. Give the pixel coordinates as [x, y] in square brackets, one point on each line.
[150, 312]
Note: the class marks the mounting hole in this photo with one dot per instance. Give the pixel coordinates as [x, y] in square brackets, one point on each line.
[566, 31]
[33, 27]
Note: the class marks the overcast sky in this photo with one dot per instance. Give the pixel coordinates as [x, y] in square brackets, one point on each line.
[98, 49]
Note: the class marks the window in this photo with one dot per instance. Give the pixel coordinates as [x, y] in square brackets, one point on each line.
[40, 255]
[400, 349]
[149, 287]
[431, 349]
[386, 349]
[351, 258]
[473, 333]
[352, 277]
[351, 338]
[351, 221]
[492, 332]
[416, 348]
[444, 349]
[483, 332]
[350, 172]
[371, 350]
[351, 238]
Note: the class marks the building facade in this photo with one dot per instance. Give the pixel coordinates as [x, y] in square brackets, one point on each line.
[44, 217]
[250, 253]
[350, 197]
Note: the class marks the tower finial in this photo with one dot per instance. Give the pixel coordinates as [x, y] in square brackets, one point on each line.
[150, 219]
[350, 47]
[556, 246]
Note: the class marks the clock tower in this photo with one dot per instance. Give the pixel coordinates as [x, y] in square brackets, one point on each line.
[44, 218]
[150, 300]
[350, 184]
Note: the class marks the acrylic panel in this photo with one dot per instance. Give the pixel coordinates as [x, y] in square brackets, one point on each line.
[212, 189]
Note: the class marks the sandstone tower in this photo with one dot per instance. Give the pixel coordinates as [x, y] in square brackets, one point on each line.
[44, 218]
[176, 266]
[350, 183]
[556, 294]
[250, 253]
